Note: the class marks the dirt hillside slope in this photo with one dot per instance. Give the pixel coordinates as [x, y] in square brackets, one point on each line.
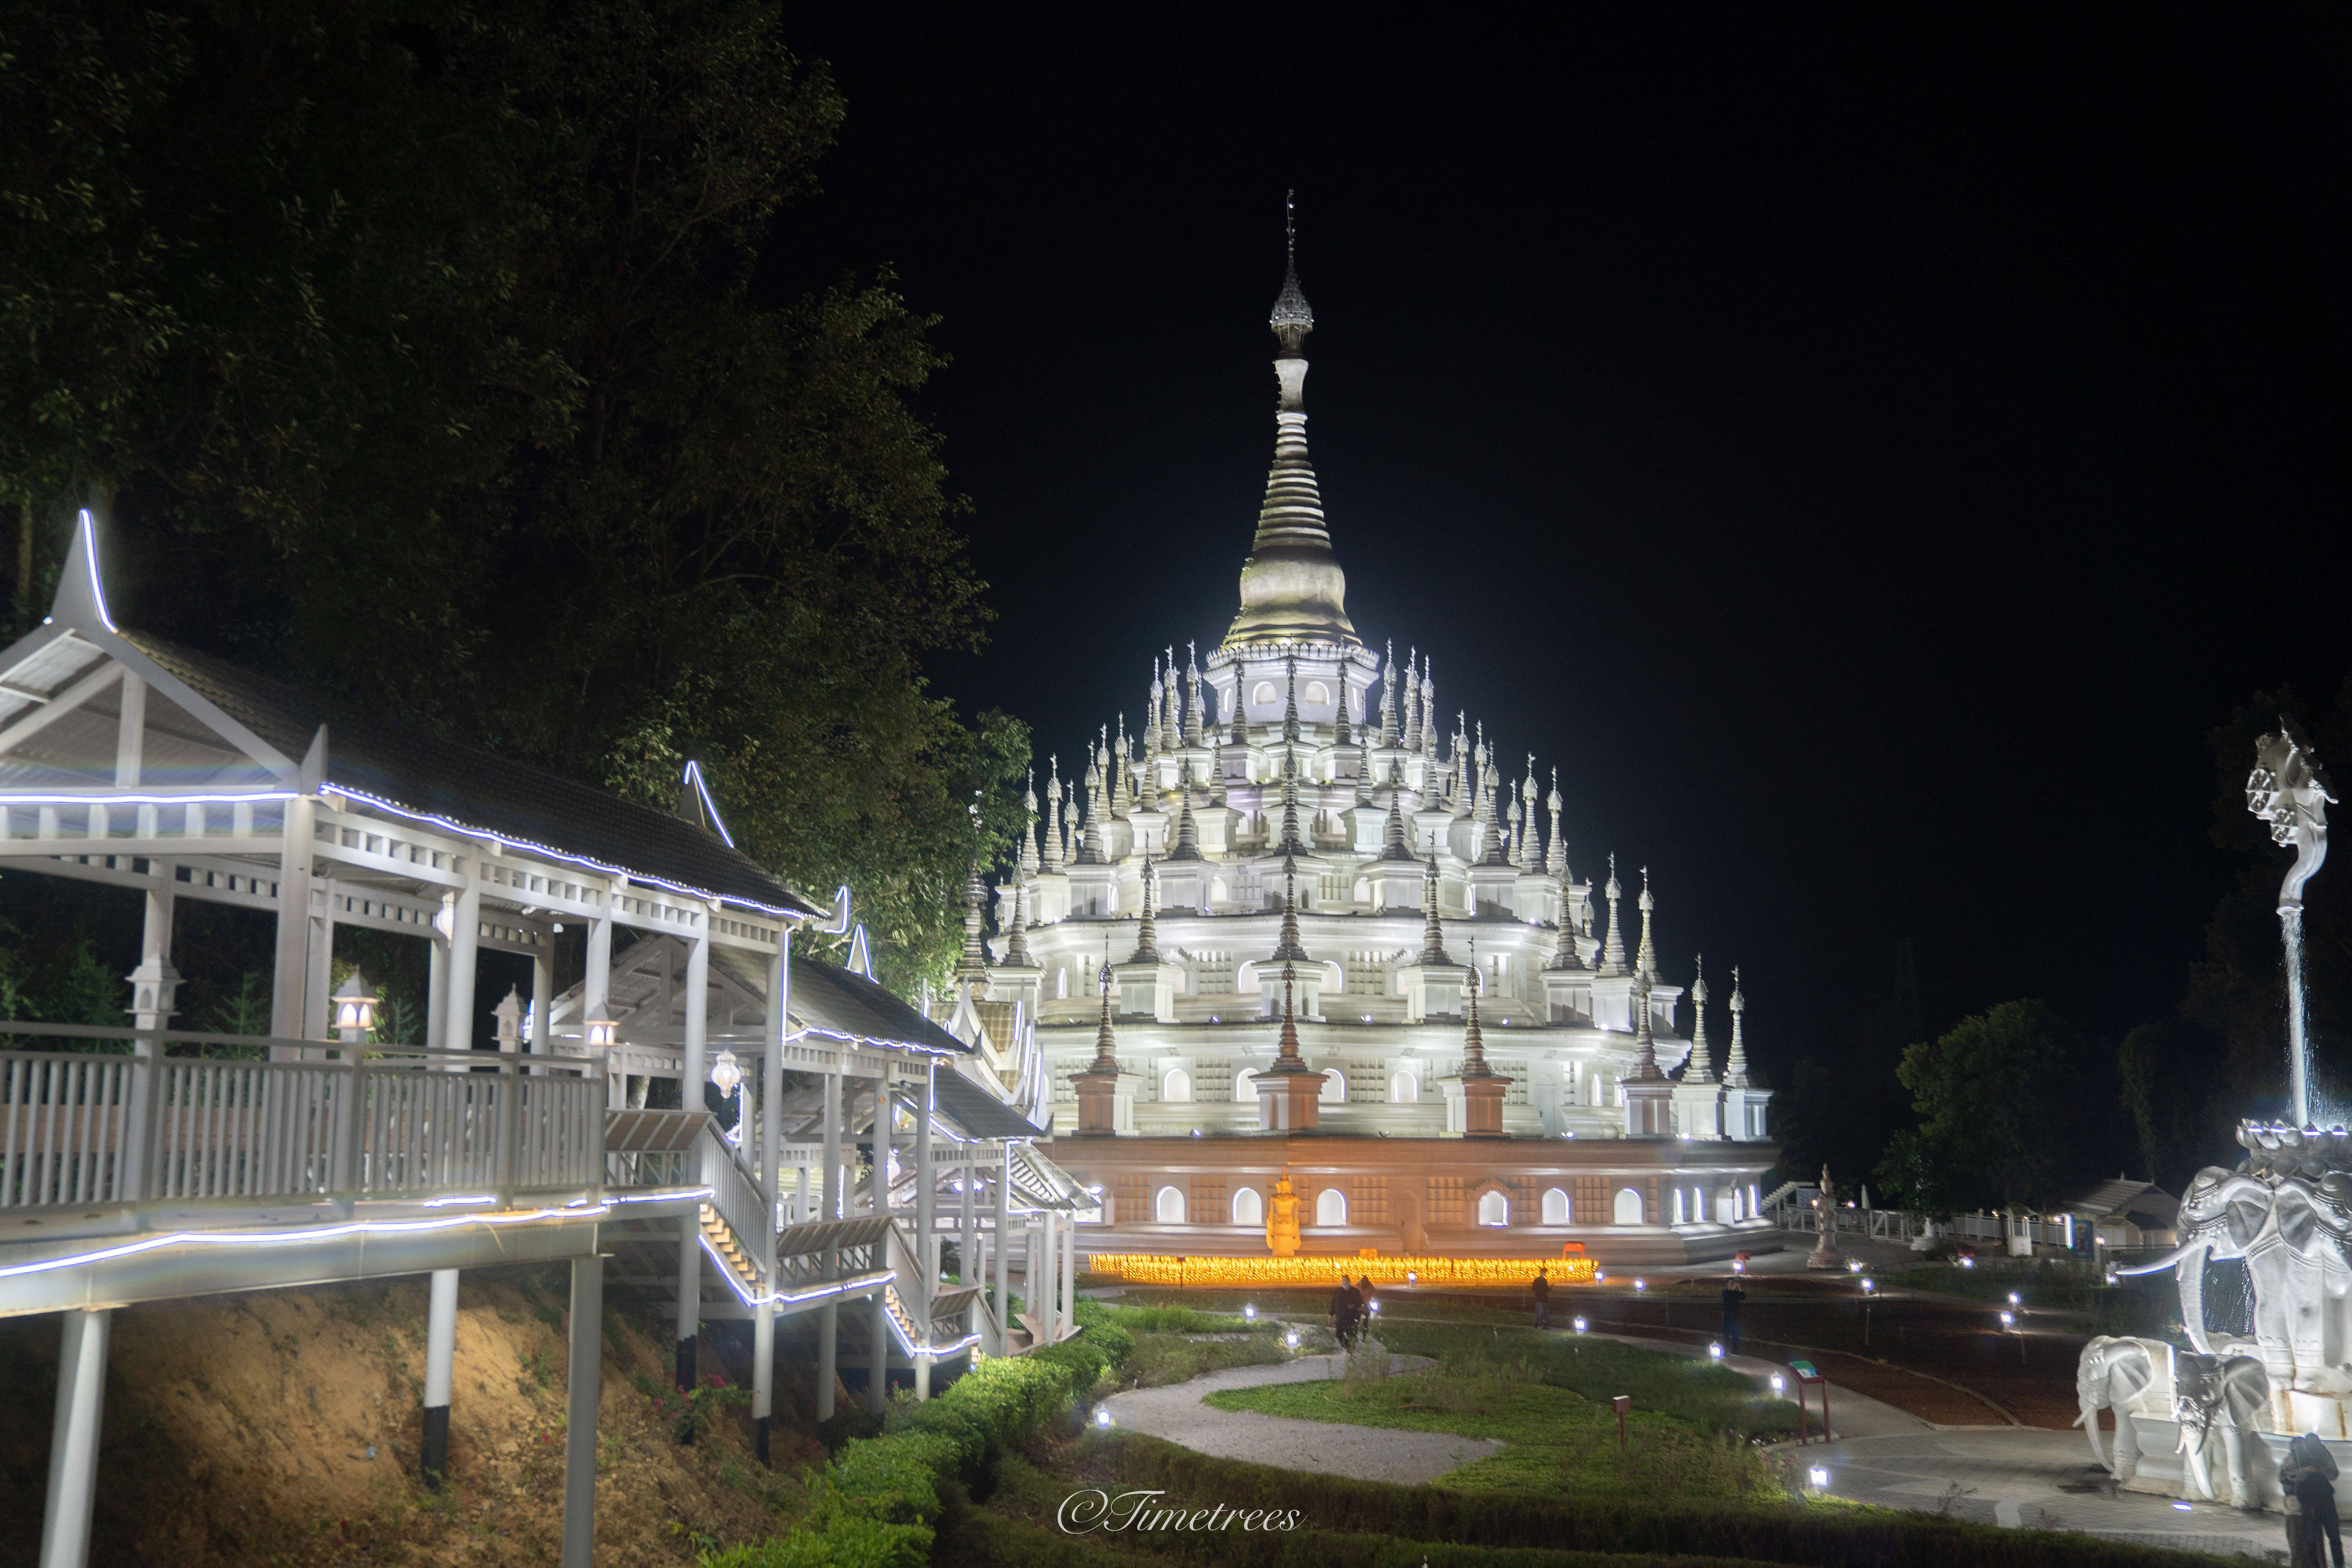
[282, 1428]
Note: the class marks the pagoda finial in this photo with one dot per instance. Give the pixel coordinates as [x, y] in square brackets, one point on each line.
[1191, 694]
[1645, 957]
[1612, 950]
[1290, 1045]
[973, 965]
[1389, 699]
[1531, 846]
[1188, 831]
[1393, 844]
[1291, 843]
[1433, 932]
[1645, 1046]
[1556, 857]
[1473, 1045]
[1411, 715]
[1563, 947]
[1291, 320]
[1151, 704]
[1016, 941]
[1701, 1068]
[1090, 845]
[1735, 1070]
[1029, 856]
[1106, 1044]
[1147, 933]
[1288, 949]
[1290, 702]
[1050, 860]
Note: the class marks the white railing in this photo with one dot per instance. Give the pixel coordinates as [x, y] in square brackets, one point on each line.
[736, 1195]
[99, 1128]
[60, 1121]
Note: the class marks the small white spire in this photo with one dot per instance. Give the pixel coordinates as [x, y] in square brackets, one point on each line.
[1701, 1067]
[1645, 957]
[1735, 1071]
[1612, 948]
[1556, 857]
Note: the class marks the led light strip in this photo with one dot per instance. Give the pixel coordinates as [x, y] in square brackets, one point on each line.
[298, 1237]
[241, 797]
[534, 847]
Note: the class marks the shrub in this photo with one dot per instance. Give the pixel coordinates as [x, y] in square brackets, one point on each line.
[1829, 1538]
[845, 1542]
[1106, 1331]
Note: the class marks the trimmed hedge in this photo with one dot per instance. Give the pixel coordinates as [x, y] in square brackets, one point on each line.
[881, 1498]
[995, 1539]
[1826, 1537]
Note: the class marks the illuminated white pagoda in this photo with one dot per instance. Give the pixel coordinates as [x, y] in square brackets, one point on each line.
[1251, 942]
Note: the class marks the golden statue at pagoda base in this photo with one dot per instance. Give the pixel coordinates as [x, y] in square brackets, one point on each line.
[1282, 1219]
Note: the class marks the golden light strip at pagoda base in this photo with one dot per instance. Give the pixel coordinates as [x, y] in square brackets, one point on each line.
[1147, 1268]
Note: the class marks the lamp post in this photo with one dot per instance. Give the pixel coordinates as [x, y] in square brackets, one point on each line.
[354, 1005]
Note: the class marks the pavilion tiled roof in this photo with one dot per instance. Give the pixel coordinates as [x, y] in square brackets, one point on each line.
[469, 789]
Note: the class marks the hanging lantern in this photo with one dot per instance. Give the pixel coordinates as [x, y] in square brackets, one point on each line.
[601, 1034]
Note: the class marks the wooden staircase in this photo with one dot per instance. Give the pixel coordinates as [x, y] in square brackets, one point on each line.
[724, 1242]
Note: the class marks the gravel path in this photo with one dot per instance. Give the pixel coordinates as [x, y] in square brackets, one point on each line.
[1366, 1453]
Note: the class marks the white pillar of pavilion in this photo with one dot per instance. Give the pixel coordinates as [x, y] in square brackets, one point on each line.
[73, 1440]
[926, 1243]
[694, 1075]
[290, 973]
[829, 1208]
[878, 1338]
[772, 1089]
[584, 1375]
[464, 918]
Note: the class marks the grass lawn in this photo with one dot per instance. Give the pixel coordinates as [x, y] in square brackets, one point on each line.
[1548, 1399]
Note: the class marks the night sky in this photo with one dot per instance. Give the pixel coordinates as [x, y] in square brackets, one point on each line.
[1865, 453]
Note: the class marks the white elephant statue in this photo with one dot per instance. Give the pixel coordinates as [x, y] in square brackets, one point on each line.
[2131, 1377]
[2230, 1392]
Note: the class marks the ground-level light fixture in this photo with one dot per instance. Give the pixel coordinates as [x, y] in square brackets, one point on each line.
[1868, 1286]
[1968, 1263]
[1102, 1416]
[2009, 1319]
[2013, 1300]
[1580, 1325]
[1714, 1352]
[1291, 1339]
[1819, 1475]
[1853, 1265]
[354, 1009]
[1250, 1313]
[1376, 1307]
[1641, 1284]
[1779, 1385]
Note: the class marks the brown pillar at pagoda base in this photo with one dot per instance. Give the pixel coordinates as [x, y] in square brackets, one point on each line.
[1289, 1097]
[1098, 1102]
[1482, 1106]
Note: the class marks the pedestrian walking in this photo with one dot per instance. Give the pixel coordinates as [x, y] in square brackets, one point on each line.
[1541, 1292]
[1735, 1296]
[1348, 1314]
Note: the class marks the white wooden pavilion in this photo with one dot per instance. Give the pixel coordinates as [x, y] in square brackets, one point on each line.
[133, 1169]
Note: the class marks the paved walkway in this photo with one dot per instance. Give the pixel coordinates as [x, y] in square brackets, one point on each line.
[1366, 1453]
[2020, 1476]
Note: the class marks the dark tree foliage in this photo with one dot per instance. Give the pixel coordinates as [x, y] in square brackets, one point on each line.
[2165, 1072]
[418, 349]
[2000, 1102]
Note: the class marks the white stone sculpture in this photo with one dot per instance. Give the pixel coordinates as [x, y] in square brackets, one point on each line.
[2130, 1377]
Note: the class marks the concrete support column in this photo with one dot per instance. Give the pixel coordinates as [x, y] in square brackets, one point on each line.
[440, 1350]
[878, 1378]
[1070, 1274]
[692, 1096]
[73, 1439]
[771, 1151]
[828, 1203]
[968, 1239]
[584, 1375]
[318, 1012]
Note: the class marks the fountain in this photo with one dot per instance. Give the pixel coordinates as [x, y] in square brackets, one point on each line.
[2213, 1421]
